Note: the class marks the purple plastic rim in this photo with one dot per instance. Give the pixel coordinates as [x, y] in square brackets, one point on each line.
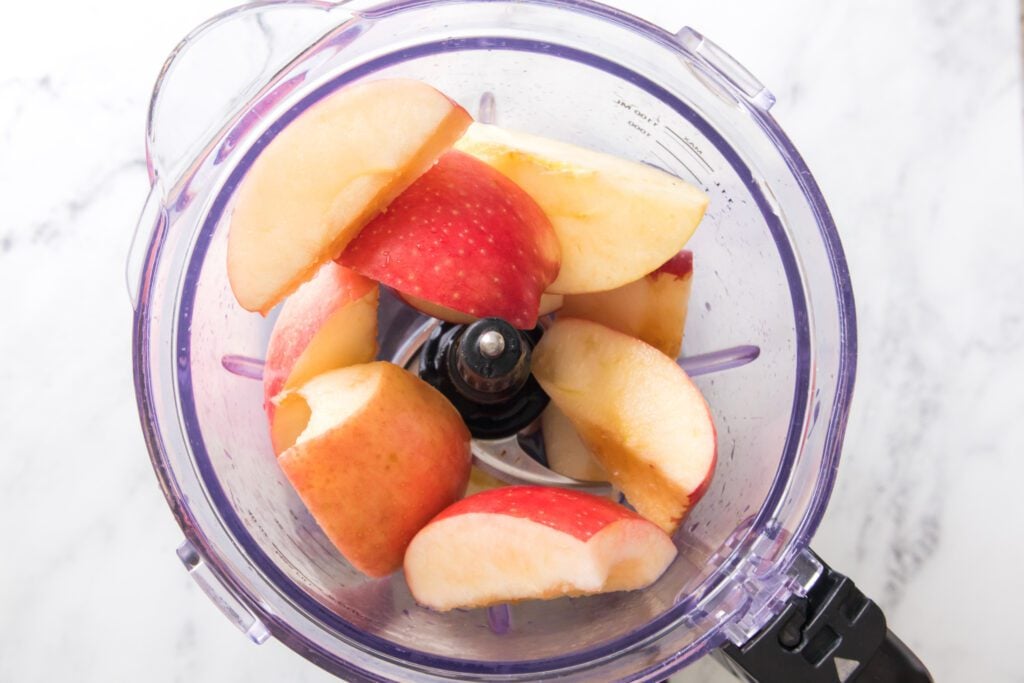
[313, 608]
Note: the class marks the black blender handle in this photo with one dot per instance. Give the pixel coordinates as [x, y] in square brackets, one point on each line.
[833, 635]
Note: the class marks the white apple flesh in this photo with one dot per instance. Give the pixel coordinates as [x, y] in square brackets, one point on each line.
[636, 410]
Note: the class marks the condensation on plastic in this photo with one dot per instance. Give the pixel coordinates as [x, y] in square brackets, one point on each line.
[769, 272]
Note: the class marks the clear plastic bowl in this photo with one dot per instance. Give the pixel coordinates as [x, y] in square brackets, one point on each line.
[770, 273]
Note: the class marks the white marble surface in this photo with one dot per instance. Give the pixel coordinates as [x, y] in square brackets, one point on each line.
[909, 115]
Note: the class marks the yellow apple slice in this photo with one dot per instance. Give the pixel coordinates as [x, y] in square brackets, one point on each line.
[565, 450]
[616, 220]
[652, 309]
[636, 410]
[326, 175]
[480, 480]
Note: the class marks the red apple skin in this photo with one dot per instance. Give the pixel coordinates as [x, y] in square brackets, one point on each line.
[581, 515]
[326, 175]
[302, 317]
[680, 265]
[465, 237]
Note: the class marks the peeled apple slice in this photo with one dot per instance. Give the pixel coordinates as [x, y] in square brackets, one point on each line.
[565, 450]
[652, 309]
[636, 411]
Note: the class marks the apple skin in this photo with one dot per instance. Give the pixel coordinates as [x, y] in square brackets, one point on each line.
[382, 454]
[326, 175]
[636, 410]
[680, 265]
[549, 303]
[329, 322]
[652, 309]
[464, 237]
[532, 543]
[616, 220]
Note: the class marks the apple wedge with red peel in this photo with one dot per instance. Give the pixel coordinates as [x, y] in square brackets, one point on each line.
[327, 174]
[381, 454]
[463, 237]
[532, 543]
[616, 220]
[636, 410]
[652, 309]
[565, 450]
[549, 303]
[330, 322]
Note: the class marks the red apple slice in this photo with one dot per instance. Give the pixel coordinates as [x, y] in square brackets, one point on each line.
[532, 543]
[382, 453]
[636, 410]
[616, 220]
[329, 323]
[327, 174]
[549, 303]
[652, 309]
[464, 237]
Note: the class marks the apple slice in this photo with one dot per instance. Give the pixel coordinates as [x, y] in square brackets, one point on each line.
[616, 220]
[464, 237]
[565, 450]
[480, 480]
[636, 410]
[532, 543]
[549, 303]
[382, 453]
[326, 175]
[652, 309]
[330, 322]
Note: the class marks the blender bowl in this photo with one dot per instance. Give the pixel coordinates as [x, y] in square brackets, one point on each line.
[771, 310]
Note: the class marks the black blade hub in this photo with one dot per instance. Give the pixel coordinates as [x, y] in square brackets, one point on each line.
[484, 370]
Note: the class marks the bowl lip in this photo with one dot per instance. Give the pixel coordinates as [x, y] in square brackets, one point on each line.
[837, 422]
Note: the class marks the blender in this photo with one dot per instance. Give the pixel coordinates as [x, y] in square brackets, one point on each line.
[770, 342]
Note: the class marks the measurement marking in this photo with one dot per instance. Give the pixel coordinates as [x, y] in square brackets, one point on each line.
[665, 166]
[683, 163]
[696, 155]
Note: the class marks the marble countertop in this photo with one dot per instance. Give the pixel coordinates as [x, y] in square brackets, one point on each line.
[909, 115]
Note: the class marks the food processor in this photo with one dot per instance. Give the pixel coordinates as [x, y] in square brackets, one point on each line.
[770, 342]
